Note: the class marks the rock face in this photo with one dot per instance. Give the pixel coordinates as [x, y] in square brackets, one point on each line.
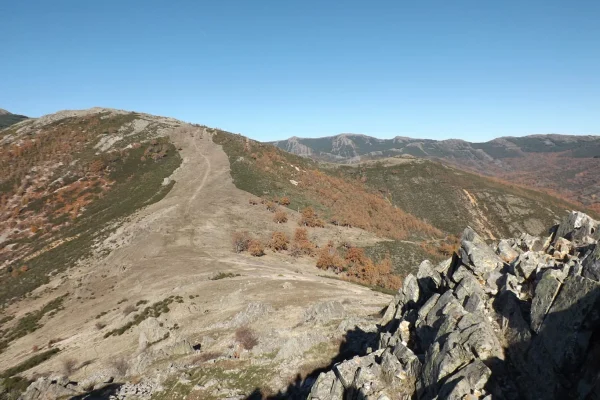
[518, 320]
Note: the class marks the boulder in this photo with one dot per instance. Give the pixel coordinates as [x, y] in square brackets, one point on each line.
[579, 228]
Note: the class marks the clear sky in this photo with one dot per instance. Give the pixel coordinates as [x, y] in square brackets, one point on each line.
[270, 69]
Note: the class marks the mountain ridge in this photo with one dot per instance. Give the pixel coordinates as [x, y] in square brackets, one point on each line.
[564, 165]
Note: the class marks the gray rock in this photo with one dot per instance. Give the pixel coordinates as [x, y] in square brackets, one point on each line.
[325, 311]
[566, 330]
[49, 388]
[474, 252]
[591, 263]
[151, 331]
[506, 252]
[545, 292]
[410, 289]
[579, 228]
[429, 279]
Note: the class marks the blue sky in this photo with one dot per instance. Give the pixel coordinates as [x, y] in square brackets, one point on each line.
[271, 69]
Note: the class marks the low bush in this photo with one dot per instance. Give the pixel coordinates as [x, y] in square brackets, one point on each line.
[223, 275]
[240, 241]
[309, 218]
[271, 206]
[302, 245]
[256, 248]
[279, 241]
[329, 259]
[246, 337]
[280, 217]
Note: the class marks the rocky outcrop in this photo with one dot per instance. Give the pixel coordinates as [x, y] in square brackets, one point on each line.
[518, 319]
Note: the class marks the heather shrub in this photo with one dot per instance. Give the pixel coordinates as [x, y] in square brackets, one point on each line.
[240, 241]
[280, 217]
[329, 259]
[256, 248]
[279, 241]
[246, 337]
[271, 206]
[309, 218]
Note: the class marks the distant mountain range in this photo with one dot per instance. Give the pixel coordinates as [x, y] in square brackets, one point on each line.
[7, 118]
[565, 165]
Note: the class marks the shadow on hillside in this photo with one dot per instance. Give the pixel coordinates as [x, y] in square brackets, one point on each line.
[355, 343]
[104, 393]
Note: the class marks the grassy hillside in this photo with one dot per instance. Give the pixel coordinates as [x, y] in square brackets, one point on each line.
[421, 205]
[269, 172]
[61, 191]
[448, 198]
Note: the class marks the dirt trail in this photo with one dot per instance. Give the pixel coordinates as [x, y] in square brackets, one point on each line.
[173, 247]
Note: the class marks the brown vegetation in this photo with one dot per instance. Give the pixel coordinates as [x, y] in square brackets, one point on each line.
[280, 217]
[256, 248]
[279, 241]
[240, 241]
[309, 218]
[271, 206]
[330, 259]
[302, 244]
[246, 337]
[284, 201]
[356, 266]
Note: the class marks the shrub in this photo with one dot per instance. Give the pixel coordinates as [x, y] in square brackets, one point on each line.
[256, 248]
[68, 366]
[329, 259]
[271, 206]
[279, 241]
[129, 309]
[302, 245]
[280, 217]
[246, 337]
[310, 218]
[240, 241]
[284, 201]
[100, 326]
[252, 202]
[223, 275]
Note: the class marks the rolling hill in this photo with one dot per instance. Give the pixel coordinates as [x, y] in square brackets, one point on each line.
[563, 165]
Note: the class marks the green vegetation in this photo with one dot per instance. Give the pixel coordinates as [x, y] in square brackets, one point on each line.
[250, 175]
[436, 193]
[29, 363]
[223, 275]
[7, 120]
[30, 322]
[137, 184]
[155, 310]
